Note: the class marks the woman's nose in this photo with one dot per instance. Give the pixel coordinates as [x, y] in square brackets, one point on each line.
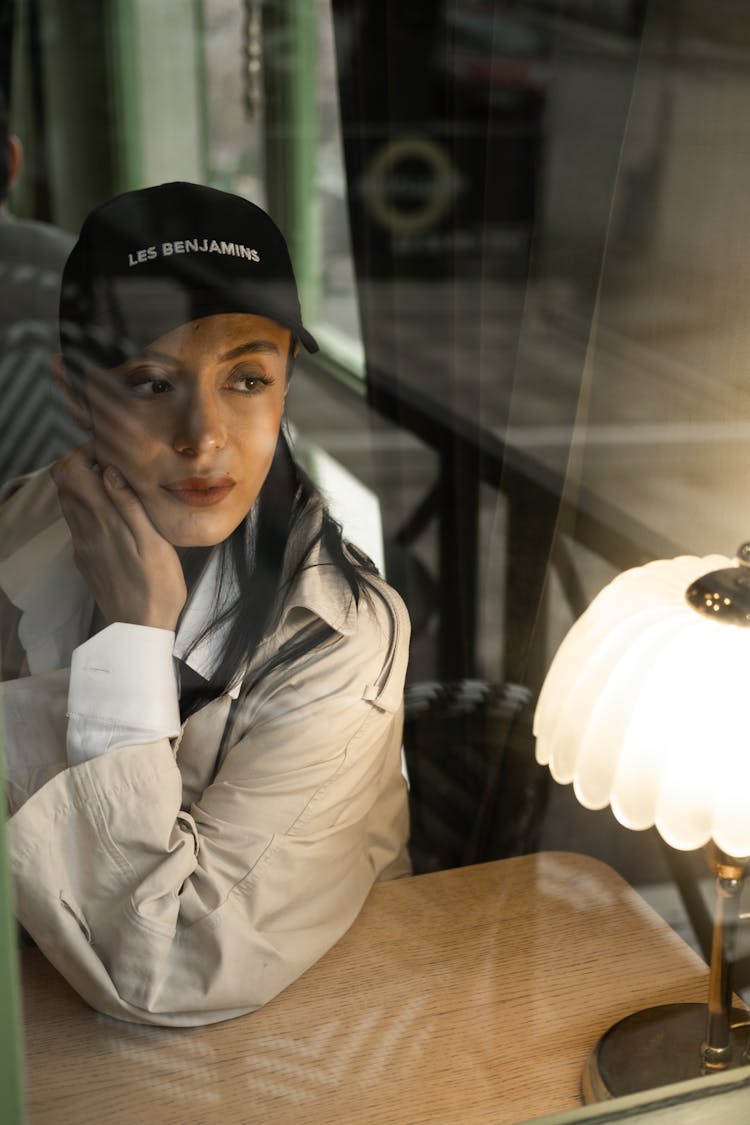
[200, 426]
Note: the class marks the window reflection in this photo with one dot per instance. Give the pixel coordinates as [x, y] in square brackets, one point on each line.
[519, 228]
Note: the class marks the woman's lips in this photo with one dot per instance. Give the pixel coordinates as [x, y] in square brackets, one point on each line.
[200, 492]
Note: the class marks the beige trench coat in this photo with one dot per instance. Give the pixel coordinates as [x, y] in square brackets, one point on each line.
[169, 887]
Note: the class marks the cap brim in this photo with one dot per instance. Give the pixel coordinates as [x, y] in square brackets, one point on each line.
[305, 338]
[132, 313]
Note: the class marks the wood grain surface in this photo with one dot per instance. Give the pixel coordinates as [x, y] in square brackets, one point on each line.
[464, 997]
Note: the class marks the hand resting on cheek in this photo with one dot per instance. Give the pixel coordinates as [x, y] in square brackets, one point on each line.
[133, 573]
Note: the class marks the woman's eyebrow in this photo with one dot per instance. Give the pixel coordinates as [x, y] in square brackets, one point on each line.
[151, 353]
[251, 347]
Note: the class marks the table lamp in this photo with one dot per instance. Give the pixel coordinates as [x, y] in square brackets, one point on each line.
[646, 708]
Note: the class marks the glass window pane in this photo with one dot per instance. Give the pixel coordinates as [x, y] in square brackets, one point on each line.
[519, 236]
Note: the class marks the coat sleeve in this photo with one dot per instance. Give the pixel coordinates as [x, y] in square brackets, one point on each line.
[160, 915]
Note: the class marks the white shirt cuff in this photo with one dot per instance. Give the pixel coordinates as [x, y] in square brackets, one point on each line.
[123, 690]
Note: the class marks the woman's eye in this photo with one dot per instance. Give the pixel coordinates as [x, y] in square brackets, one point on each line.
[148, 385]
[249, 382]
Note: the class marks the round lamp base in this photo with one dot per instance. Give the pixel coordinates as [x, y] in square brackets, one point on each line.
[655, 1047]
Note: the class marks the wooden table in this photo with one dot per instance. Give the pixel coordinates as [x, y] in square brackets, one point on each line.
[472, 995]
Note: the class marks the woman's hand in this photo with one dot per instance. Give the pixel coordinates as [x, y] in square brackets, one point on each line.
[133, 573]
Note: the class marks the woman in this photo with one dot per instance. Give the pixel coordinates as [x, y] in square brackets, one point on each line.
[203, 696]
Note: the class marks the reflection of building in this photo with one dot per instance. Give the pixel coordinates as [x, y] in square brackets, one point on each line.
[34, 422]
[466, 111]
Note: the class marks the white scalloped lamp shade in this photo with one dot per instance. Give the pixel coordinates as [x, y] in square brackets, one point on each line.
[646, 708]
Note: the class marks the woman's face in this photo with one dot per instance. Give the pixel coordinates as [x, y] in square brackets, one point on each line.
[192, 423]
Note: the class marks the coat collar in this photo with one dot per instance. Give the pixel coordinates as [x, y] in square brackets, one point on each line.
[39, 576]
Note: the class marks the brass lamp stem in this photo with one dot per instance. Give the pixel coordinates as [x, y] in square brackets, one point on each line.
[659, 1045]
[716, 1049]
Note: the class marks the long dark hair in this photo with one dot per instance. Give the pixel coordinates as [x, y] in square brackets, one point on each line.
[256, 559]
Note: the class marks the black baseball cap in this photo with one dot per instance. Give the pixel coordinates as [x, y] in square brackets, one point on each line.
[150, 260]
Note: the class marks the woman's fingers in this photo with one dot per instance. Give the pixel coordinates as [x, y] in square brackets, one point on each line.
[104, 500]
[130, 509]
[77, 471]
[79, 486]
[133, 573]
[156, 582]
